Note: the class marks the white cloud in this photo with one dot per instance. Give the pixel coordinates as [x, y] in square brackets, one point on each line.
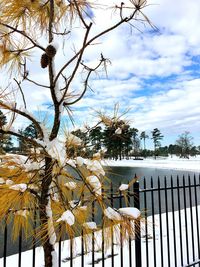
[139, 61]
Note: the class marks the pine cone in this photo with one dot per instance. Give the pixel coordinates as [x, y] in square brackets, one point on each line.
[44, 60]
[50, 51]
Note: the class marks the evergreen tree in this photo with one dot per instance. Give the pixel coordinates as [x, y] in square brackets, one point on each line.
[5, 139]
[43, 181]
[29, 132]
[157, 137]
[144, 136]
[95, 136]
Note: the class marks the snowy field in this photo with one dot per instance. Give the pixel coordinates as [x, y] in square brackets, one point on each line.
[175, 163]
[12, 261]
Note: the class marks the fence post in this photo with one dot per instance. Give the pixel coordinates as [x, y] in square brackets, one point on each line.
[138, 234]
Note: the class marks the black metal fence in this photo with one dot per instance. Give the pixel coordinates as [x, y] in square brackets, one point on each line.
[167, 236]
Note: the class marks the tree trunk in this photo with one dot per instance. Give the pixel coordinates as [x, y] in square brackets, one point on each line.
[47, 246]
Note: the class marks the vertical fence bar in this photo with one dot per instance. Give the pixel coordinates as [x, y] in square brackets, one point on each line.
[20, 249]
[59, 248]
[34, 239]
[167, 220]
[71, 252]
[191, 217]
[82, 245]
[5, 243]
[102, 243]
[160, 222]
[93, 244]
[82, 249]
[173, 219]
[197, 215]
[186, 223]
[180, 220]
[71, 241]
[129, 241]
[146, 226]
[112, 234]
[138, 258]
[153, 221]
[121, 245]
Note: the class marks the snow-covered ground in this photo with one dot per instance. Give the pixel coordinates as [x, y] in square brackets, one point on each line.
[12, 261]
[176, 163]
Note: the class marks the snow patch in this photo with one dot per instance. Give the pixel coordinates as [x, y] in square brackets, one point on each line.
[123, 187]
[118, 131]
[132, 213]
[79, 161]
[19, 187]
[111, 214]
[95, 166]
[67, 217]
[90, 225]
[95, 184]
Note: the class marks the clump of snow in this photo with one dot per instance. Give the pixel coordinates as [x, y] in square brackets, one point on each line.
[90, 225]
[9, 182]
[70, 185]
[111, 214]
[33, 166]
[67, 217]
[23, 213]
[56, 149]
[73, 140]
[123, 187]
[94, 183]
[95, 166]
[79, 161]
[19, 187]
[71, 162]
[118, 131]
[51, 231]
[2, 181]
[132, 213]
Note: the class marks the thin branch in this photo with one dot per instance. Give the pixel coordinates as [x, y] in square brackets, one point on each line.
[20, 88]
[80, 15]
[124, 20]
[78, 62]
[24, 114]
[36, 83]
[18, 51]
[27, 139]
[85, 83]
[24, 34]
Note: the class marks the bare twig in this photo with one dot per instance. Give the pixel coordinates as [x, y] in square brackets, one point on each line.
[78, 62]
[20, 88]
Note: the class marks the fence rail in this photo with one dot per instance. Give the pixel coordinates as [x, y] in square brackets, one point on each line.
[168, 235]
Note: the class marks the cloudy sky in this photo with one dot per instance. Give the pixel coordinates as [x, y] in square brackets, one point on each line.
[155, 73]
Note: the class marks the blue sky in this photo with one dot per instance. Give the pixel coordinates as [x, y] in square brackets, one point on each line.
[155, 73]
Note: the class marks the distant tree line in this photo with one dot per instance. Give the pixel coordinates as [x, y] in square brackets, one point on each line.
[117, 141]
